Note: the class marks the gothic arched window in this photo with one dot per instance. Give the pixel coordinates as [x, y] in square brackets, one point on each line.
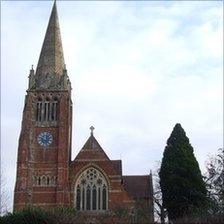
[47, 110]
[44, 181]
[91, 191]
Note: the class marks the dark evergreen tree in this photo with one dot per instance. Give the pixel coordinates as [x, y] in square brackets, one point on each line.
[183, 189]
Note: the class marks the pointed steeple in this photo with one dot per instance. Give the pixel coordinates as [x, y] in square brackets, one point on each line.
[51, 57]
[51, 72]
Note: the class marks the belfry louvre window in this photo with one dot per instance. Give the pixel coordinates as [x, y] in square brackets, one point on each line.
[46, 111]
[91, 191]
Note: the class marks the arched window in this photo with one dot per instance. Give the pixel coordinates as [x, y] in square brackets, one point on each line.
[78, 198]
[39, 181]
[45, 181]
[94, 197]
[91, 191]
[48, 181]
[47, 110]
[53, 181]
[38, 110]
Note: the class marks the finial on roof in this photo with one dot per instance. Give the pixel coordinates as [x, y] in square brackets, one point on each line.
[31, 71]
[92, 129]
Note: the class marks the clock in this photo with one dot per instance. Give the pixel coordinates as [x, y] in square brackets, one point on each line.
[45, 139]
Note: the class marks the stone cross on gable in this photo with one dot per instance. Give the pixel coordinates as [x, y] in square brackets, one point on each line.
[92, 129]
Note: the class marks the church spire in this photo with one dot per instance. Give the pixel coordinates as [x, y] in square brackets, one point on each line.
[51, 57]
[51, 73]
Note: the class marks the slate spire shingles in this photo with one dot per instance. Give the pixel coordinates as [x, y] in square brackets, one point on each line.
[51, 59]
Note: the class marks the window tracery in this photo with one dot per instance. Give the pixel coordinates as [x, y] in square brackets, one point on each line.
[91, 191]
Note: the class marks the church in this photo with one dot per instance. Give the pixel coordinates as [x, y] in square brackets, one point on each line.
[47, 176]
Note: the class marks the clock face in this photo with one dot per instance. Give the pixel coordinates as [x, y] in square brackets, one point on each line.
[45, 139]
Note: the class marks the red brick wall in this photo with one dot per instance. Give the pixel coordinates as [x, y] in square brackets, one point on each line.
[117, 195]
[34, 160]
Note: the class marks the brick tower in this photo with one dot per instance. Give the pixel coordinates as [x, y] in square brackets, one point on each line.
[91, 183]
[44, 150]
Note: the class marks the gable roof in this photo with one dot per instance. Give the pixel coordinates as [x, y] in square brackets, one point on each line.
[138, 186]
[91, 151]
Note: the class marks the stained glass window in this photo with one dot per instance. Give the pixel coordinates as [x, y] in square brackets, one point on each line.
[94, 198]
[78, 197]
[94, 188]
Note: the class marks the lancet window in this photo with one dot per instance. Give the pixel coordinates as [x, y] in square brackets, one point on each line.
[46, 110]
[91, 191]
[44, 181]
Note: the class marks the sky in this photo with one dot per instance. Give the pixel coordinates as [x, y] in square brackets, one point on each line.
[136, 68]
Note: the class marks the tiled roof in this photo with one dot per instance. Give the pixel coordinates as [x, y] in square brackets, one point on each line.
[92, 144]
[137, 186]
[92, 151]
